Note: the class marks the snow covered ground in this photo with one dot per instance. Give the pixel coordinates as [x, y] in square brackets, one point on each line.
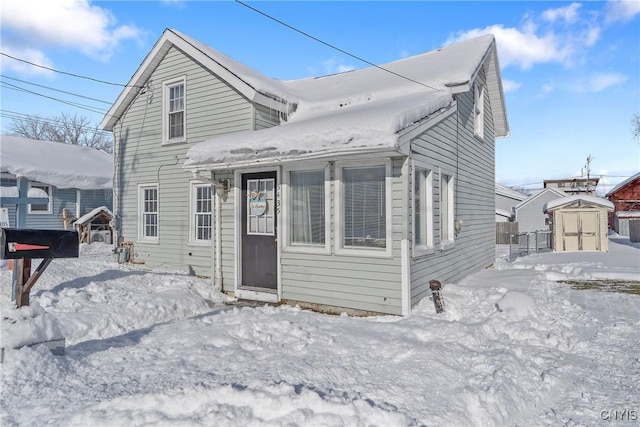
[156, 348]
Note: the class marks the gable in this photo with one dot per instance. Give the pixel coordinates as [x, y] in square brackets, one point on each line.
[631, 184]
[542, 197]
[238, 76]
[578, 202]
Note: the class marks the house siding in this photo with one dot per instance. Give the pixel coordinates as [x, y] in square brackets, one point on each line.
[91, 199]
[266, 117]
[212, 108]
[530, 215]
[340, 280]
[473, 166]
[624, 199]
[62, 199]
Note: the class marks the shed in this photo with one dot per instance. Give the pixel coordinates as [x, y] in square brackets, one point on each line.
[95, 226]
[579, 223]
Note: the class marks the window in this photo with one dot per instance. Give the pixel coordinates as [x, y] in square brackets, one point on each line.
[148, 207]
[307, 197]
[363, 206]
[478, 110]
[174, 115]
[422, 210]
[201, 209]
[45, 208]
[446, 210]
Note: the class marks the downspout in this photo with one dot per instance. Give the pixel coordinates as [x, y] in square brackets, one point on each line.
[217, 282]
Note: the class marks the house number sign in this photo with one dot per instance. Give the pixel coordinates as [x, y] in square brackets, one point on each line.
[257, 203]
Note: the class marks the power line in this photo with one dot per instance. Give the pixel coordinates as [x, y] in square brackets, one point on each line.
[73, 104]
[67, 73]
[334, 47]
[56, 90]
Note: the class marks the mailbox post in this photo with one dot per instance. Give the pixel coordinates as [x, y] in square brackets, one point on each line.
[21, 203]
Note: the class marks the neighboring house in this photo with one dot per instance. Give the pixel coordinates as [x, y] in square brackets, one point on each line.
[579, 223]
[506, 201]
[573, 186]
[75, 178]
[345, 192]
[626, 201]
[529, 213]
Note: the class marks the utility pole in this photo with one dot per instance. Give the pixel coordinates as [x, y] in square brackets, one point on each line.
[589, 158]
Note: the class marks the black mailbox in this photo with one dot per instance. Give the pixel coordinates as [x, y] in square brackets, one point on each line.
[19, 243]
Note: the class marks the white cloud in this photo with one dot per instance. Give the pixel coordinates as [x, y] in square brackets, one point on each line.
[599, 82]
[30, 55]
[622, 10]
[568, 14]
[560, 35]
[592, 35]
[521, 47]
[510, 85]
[72, 24]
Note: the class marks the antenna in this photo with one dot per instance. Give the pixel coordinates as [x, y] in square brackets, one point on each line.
[589, 158]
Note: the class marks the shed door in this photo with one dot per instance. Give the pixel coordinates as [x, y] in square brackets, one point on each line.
[259, 244]
[570, 231]
[589, 231]
[580, 231]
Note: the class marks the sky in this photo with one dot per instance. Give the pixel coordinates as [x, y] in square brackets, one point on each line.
[570, 70]
[514, 346]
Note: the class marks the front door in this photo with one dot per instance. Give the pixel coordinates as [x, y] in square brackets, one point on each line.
[259, 219]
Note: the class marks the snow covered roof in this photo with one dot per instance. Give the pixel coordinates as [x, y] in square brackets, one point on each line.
[57, 164]
[624, 183]
[91, 215]
[363, 110]
[591, 200]
[508, 192]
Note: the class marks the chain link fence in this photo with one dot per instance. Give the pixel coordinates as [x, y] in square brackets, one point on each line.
[527, 243]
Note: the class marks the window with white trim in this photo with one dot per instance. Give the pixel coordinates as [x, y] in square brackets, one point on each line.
[446, 209]
[148, 208]
[45, 208]
[201, 213]
[422, 209]
[307, 210]
[174, 120]
[478, 110]
[364, 207]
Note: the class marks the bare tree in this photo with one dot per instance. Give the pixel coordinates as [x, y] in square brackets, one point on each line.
[65, 128]
[635, 126]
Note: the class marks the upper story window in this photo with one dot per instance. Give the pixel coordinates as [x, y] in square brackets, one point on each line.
[45, 208]
[478, 110]
[174, 120]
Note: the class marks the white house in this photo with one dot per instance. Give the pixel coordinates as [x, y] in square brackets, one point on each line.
[347, 192]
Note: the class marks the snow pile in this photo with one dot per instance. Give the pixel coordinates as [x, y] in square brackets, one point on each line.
[160, 348]
[28, 325]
